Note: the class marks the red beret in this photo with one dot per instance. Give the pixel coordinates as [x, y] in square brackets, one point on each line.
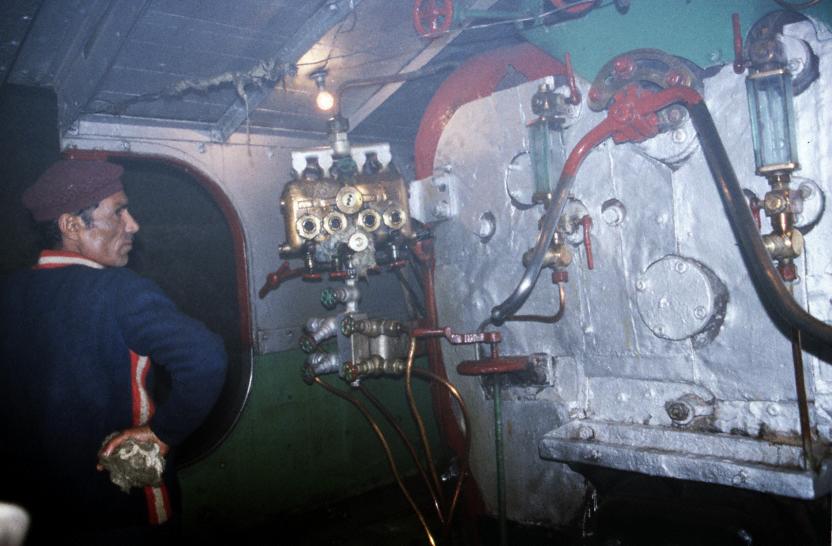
[71, 186]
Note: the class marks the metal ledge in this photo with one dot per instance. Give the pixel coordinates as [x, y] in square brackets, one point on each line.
[734, 461]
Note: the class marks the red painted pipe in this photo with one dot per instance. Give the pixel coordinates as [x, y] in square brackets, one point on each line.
[477, 78]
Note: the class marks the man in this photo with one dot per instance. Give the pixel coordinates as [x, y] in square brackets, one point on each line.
[82, 340]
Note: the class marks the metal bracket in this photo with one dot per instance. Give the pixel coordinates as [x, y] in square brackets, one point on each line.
[435, 198]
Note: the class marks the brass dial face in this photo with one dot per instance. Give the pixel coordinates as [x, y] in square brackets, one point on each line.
[349, 200]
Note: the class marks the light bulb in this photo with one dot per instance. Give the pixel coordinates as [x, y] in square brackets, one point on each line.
[324, 100]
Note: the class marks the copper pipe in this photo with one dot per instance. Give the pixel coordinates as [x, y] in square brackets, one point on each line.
[408, 382]
[802, 399]
[380, 435]
[463, 470]
[473, 504]
[390, 419]
[543, 318]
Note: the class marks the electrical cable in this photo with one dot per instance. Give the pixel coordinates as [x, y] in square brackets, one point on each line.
[408, 381]
[414, 297]
[392, 420]
[538, 17]
[392, 78]
[380, 435]
[797, 5]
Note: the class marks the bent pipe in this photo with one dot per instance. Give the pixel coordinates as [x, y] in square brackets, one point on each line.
[503, 311]
[763, 273]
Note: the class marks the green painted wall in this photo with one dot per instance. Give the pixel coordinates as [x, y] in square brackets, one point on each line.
[698, 30]
[295, 446]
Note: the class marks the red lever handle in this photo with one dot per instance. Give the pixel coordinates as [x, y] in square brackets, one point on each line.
[739, 61]
[586, 222]
[275, 279]
[574, 93]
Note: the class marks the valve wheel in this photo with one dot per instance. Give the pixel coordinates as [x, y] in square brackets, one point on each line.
[432, 17]
[573, 8]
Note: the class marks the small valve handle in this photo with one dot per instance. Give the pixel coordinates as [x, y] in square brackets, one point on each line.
[574, 93]
[739, 60]
[586, 222]
[432, 20]
[755, 204]
[275, 279]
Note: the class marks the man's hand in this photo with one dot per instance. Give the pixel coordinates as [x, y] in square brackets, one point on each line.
[139, 434]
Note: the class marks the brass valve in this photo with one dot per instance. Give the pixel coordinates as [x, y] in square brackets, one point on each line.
[784, 247]
[371, 328]
[373, 366]
[558, 256]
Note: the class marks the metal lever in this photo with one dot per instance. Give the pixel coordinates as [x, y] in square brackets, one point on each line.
[739, 60]
[586, 222]
[574, 93]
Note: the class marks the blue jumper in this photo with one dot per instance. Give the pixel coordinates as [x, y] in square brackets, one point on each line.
[67, 381]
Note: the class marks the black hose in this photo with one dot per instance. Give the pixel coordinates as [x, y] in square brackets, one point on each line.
[765, 277]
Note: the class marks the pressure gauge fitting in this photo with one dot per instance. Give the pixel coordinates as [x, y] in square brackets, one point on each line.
[349, 200]
[395, 218]
[369, 220]
[335, 222]
[358, 242]
[308, 226]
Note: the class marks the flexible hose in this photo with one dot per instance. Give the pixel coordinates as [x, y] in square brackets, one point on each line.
[380, 435]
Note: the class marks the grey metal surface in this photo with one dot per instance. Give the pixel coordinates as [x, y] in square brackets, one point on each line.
[203, 60]
[725, 378]
[715, 458]
[309, 32]
[15, 22]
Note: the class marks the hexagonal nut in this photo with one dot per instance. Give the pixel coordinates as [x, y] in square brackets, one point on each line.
[348, 326]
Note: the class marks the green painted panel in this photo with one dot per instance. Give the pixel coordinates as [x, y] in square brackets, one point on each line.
[296, 446]
[698, 30]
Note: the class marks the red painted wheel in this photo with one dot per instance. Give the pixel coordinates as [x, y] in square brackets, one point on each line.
[433, 17]
[573, 8]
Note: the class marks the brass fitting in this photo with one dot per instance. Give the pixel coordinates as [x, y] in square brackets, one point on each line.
[784, 247]
[558, 256]
[371, 328]
[373, 366]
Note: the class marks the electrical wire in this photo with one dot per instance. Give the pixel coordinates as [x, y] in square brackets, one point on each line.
[414, 298]
[539, 17]
[408, 381]
[390, 419]
[380, 435]
[797, 5]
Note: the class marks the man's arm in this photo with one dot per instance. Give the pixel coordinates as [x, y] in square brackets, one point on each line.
[193, 356]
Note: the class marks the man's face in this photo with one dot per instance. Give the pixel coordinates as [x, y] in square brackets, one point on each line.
[109, 238]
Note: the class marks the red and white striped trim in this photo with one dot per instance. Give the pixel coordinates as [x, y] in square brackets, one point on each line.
[142, 404]
[158, 502]
[51, 259]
